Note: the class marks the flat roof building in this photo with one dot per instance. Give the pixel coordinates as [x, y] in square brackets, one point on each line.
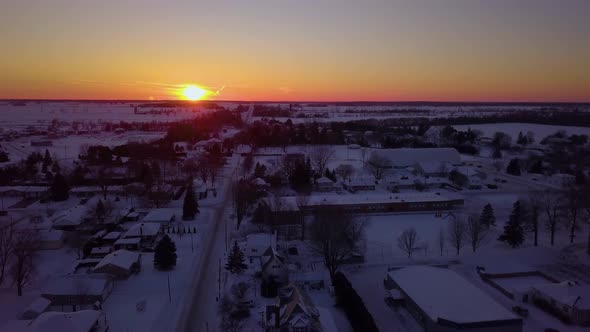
[442, 300]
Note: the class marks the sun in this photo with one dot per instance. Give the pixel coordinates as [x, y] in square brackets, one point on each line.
[193, 92]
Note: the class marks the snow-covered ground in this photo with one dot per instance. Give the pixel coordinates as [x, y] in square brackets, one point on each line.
[539, 130]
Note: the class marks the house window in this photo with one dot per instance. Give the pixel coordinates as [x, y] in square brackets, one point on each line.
[300, 329]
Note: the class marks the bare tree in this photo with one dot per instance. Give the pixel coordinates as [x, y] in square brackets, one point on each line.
[336, 237]
[407, 241]
[345, 171]
[320, 155]
[551, 203]
[244, 195]
[377, 165]
[441, 240]
[456, 234]
[77, 242]
[26, 243]
[230, 322]
[573, 202]
[102, 181]
[6, 248]
[476, 232]
[532, 221]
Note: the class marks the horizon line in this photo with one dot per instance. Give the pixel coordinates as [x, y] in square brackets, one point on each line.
[508, 102]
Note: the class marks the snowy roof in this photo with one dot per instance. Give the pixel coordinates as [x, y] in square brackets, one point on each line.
[72, 285]
[135, 240]
[378, 198]
[79, 321]
[38, 306]
[262, 239]
[24, 189]
[160, 215]
[51, 235]
[120, 258]
[409, 157]
[260, 182]
[567, 292]
[142, 229]
[442, 293]
[112, 236]
[435, 166]
[324, 180]
[360, 182]
[100, 250]
[71, 217]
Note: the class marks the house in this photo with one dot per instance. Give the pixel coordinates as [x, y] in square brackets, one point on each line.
[77, 291]
[568, 300]
[51, 239]
[24, 191]
[79, 321]
[71, 218]
[119, 264]
[111, 237]
[36, 308]
[100, 252]
[128, 244]
[324, 184]
[359, 184]
[256, 244]
[442, 300]
[286, 220]
[435, 168]
[474, 183]
[405, 157]
[161, 216]
[562, 180]
[292, 312]
[273, 266]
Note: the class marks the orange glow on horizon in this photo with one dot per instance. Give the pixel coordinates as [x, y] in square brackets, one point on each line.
[194, 93]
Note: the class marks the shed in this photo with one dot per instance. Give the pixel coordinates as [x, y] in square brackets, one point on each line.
[119, 264]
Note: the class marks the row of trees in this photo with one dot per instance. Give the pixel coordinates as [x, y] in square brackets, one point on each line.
[18, 256]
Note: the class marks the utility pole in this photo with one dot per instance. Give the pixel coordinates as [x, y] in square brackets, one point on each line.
[192, 245]
[169, 293]
[225, 222]
[219, 282]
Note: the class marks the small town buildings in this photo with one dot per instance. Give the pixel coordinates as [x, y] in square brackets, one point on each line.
[100, 252]
[562, 180]
[359, 184]
[24, 191]
[324, 184]
[77, 291]
[161, 216]
[111, 237]
[435, 168]
[51, 239]
[569, 300]
[79, 321]
[406, 157]
[273, 266]
[292, 312]
[36, 308]
[442, 300]
[128, 244]
[119, 264]
[71, 218]
[256, 244]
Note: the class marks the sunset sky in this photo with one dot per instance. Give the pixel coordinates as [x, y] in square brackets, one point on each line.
[314, 50]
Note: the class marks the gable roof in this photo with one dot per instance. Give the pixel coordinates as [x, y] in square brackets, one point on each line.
[79, 321]
[120, 258]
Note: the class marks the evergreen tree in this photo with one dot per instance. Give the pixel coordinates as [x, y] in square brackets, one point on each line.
[100, 210]
[165, 254]
[487, 216]
[235, 260]
[259, 171]
[190, 207]
[59, 188]
[497, 154]
[513, 230]
[46, 160]
[513, 167]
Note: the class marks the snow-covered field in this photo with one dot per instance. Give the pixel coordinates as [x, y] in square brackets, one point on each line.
[540, 130]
